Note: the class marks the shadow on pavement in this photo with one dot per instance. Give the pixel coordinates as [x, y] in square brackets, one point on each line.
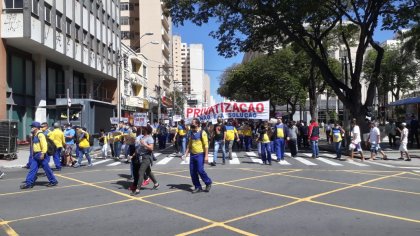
[185, 187]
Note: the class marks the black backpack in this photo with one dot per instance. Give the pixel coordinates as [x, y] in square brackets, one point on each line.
[315, 131]
[51, 148]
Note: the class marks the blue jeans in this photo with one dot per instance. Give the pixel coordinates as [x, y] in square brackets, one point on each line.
[315, 148]
[266, 152]
[218, 144]
[248, 142]
[57, 158]
[182, 141]
[337, 146]
[35, 164]
[117, 149]
[84, 151]
[279, 143]
[197, 168]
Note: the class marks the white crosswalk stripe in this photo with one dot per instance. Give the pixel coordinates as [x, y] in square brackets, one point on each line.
[254, 157]
[100, 162]
[282, 162]
[235, 159]
[186, 160]
[211, 158]
[115, 163]
[380, 164]
[329, 162]
[165, 160]
[304, 161]
[356, 163]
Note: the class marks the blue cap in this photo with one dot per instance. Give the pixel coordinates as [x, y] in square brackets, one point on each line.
[36, 124]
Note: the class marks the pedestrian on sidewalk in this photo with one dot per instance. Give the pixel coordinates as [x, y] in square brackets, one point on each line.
[199, 148]
[40, 158]
[313, 136]
[404, 142]
[337, 133]
[303, 131]
[374, 140]
[391, 129]
[355, 140]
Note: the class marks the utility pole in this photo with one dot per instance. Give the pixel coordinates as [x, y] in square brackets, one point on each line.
[158, 93]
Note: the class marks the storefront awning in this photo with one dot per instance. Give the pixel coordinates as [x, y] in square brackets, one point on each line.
[407, 101]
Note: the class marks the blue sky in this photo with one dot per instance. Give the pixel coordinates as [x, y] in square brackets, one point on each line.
[215, 64]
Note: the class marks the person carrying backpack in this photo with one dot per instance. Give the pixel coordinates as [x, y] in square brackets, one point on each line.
[84, 146]
[57, 136]
[313, 136]
[40, 158]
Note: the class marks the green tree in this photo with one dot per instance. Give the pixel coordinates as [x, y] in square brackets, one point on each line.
[398, 73]
[256, 25]
[273, 77]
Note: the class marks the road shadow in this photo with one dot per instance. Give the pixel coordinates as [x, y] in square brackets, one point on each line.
[185, 187]
[124, 184]
[126, 176]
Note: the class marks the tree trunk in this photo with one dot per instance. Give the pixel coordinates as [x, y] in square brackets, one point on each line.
[313, 99]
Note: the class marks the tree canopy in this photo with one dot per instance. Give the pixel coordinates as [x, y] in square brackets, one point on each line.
[259, 25]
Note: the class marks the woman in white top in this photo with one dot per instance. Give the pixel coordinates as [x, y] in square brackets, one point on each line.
[374, 140]
[355, 140]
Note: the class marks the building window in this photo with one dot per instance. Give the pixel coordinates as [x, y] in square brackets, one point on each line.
[13, 3]
[85, 38]
[126, 6]
[144, 71]
[58, 17]
[77, 32]
[35, 7]
[125, 20]
[48, 13]
[68, 26]
[79, 86]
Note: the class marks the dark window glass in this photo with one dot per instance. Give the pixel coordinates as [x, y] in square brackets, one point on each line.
[35, 6]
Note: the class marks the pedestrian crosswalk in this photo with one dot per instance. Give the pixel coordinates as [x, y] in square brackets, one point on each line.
[303, 159]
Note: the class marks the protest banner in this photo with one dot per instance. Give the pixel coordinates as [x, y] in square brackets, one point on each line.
[227, 110]
[140, 119]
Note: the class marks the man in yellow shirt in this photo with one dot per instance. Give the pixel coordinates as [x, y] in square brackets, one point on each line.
[230, 135]
[199, 147]
[57, 136]
[40, 158]
[84, 146]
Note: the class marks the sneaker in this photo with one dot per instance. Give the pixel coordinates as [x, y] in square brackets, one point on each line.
[90, 165]
[52, 184]
[197, 190]
[409, 159]
[213, 164]
[76, 165]
[2, 175]
[25, 186]
[156, 186]
[146, 182]
[135, 192]
[208, 187]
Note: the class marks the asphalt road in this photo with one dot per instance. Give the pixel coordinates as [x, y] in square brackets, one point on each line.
[247, 198]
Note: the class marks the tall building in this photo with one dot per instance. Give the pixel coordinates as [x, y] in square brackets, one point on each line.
[56, 48]
[130, 24]
[157, 47]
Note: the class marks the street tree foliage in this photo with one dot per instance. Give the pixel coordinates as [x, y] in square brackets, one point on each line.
[262, 25]
[398, 73]
[178, 98]
[412, 40]
[278, 77]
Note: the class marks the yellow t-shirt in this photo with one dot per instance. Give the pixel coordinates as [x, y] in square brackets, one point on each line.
[280, 131]
[230, 132]
[84, 142]
[39, 143]
[57, 136]
[265, 138]
[247, 131]
[336, 134]
[181, 130]
[198, 142]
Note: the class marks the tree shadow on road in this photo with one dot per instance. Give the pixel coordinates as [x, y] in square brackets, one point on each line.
[185, 187]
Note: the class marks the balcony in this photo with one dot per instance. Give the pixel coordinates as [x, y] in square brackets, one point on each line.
[165, 49]
[165, 36]
[137, 79]
[165, 22]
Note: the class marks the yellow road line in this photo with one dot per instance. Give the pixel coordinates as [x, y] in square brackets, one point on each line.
[314, 179]
[198, 230]
[7, 229]
[413, 174]
[374, 174]
[390, 189]
[365, 211]
[261, 191]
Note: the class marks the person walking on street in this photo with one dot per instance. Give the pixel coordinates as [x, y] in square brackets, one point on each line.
[198, 145]
[356, 139]
[69, 137]
[374, 140]
[391, 129]
[292, 135]
[219, 141]
[313, 136]
[280, 132]
[143, 160]
[57, 136]
[231, 135]
[40, 158]
[337, 133]
[103, 142]
[304, 134]
[181, 137]
[84, 146]
[404, 142]
[264, 137]
[247, 136]
[414, 129]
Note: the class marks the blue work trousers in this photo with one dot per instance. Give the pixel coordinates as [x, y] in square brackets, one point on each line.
[33, 169]
[266, 153]
[217, 145]
[279, 143]
[197, 168]
[57, 158]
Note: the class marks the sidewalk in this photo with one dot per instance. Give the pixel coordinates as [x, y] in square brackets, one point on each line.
[23, 155]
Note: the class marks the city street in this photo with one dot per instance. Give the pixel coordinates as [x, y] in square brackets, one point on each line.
[327, 197]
